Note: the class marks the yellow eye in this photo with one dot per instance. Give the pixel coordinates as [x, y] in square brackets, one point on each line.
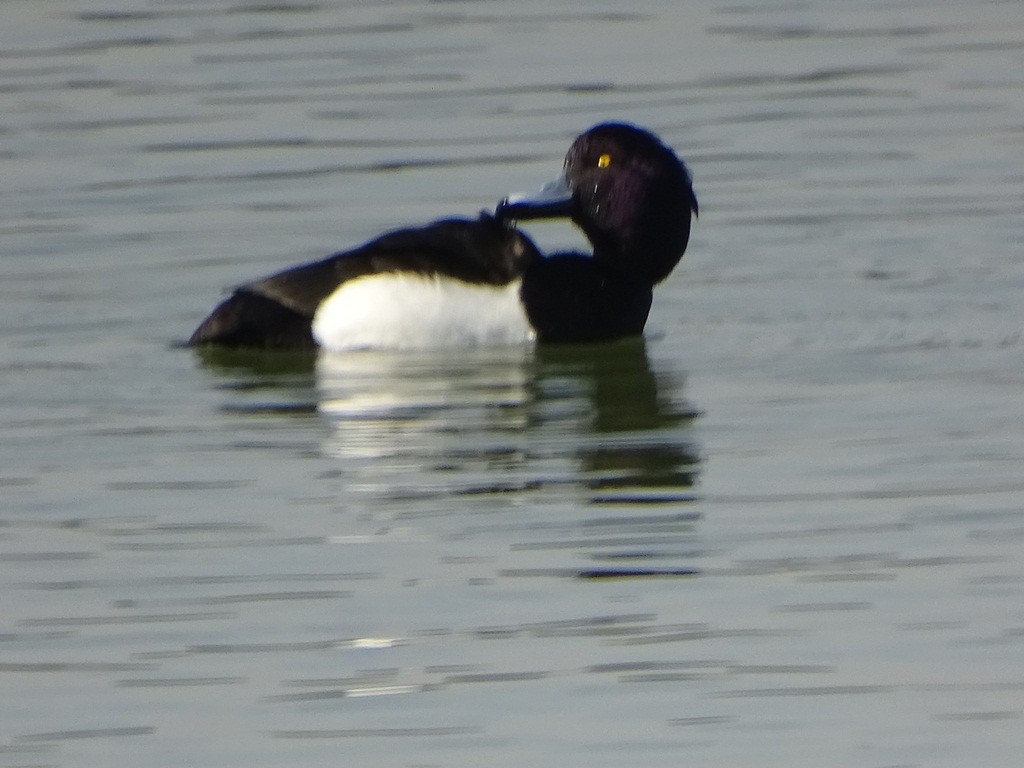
[604, 161]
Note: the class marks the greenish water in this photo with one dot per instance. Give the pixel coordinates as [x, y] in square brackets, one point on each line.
[784, 529]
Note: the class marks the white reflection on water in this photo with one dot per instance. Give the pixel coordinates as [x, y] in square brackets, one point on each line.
[563, 453]
[505, 421]
[384, 404]
[499, 408]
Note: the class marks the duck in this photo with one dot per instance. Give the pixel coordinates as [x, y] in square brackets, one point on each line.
[462, 282]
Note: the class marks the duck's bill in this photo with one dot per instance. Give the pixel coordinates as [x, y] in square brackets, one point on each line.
[553, 201]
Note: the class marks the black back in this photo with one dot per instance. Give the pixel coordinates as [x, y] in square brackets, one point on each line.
[277, 311]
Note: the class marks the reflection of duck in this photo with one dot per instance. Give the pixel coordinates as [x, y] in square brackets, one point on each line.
[463, 282]
[603, 407]
[501, 420]
[636, 439]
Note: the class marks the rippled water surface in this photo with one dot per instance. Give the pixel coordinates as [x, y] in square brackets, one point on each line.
[785, 529]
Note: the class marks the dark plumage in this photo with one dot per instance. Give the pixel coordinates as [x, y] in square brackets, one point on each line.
[628, 192]
[278, 311]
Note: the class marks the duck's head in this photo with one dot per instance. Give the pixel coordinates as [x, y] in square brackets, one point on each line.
[629, 193]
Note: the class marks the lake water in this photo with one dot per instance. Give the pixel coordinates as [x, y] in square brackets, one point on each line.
[787, 529]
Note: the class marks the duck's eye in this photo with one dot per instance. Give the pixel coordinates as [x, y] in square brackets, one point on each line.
[604, 161]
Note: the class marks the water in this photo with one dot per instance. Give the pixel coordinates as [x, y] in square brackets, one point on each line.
[784, 530]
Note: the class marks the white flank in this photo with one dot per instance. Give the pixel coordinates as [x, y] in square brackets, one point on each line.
[407, 311]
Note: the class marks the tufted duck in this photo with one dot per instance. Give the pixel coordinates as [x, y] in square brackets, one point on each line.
[462, 282]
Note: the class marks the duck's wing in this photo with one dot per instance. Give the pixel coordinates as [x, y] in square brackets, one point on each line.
[277, 311]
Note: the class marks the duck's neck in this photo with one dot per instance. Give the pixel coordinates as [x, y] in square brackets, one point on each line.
[645, 255]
